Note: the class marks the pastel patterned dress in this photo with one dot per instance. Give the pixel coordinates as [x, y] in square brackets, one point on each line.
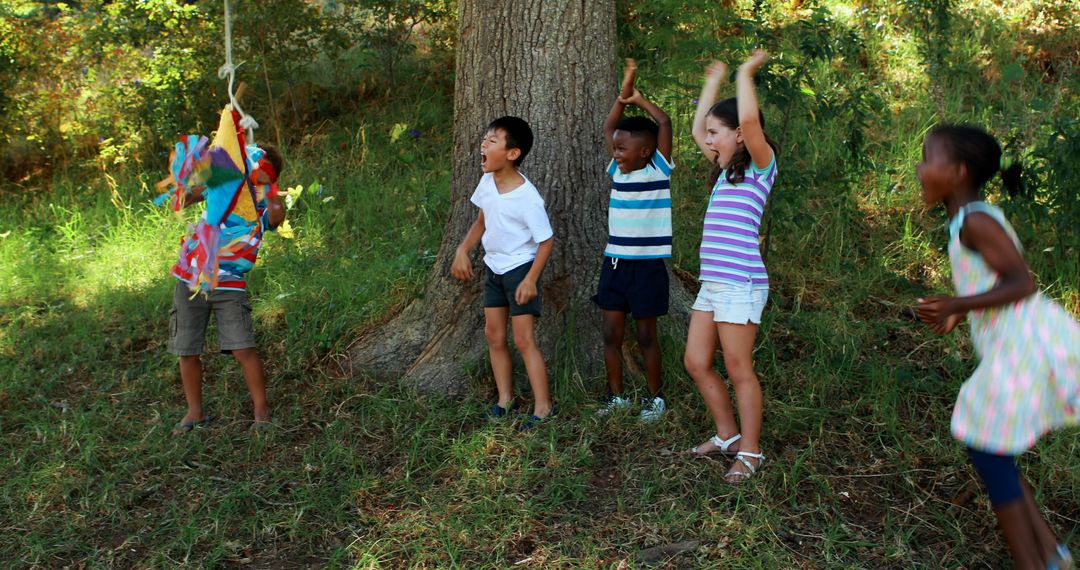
[1028, 379]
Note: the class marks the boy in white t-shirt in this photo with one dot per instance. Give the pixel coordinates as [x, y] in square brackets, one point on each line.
[517, 240]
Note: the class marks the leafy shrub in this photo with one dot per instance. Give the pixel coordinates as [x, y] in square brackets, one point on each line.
[118, 80]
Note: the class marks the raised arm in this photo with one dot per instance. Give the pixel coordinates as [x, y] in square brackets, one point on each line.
[276, 211]
[193, 197]
[186, 199]
[627, 90]
[715, 74]
[749, 112]
[663, 138]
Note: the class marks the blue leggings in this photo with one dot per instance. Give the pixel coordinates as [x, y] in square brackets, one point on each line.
[1000, 476]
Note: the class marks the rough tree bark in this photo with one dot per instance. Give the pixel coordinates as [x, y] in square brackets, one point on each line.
[550, 62]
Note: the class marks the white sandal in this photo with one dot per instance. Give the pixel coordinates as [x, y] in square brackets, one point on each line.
[721, 444]
[740, 476]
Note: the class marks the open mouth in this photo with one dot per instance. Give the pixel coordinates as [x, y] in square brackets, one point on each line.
[483, 158]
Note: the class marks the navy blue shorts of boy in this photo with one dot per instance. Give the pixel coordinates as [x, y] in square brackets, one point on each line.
[635, 286]
[499, 291]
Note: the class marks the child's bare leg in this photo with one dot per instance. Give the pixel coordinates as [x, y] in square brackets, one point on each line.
[614, 325]
[502, 367]
[701, 343]
[1014, 507]
[256, 381]
[191, 375]
[737, 344]
[525, 340]
[1045, 540]
[650, 349]
[1015, 524]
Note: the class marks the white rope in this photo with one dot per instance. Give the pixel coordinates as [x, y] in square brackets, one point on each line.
[229, 70]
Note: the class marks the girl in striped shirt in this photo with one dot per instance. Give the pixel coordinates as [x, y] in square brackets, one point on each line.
[734, 284]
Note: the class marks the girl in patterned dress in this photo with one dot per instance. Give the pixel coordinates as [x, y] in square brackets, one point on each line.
[734, 283]
[1028, 379]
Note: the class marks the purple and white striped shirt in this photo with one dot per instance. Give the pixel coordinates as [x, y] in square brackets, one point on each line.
[729, 242]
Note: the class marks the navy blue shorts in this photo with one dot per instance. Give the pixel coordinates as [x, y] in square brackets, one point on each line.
[999, 475]
[635, 286]
[499, 291]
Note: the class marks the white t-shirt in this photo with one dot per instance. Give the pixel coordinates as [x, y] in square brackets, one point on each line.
[514, 223]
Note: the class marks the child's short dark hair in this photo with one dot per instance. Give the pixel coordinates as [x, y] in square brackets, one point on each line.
[642, 127]
[518, 135]
[272, 154]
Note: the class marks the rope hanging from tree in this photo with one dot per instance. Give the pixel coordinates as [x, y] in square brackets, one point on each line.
[229, 70]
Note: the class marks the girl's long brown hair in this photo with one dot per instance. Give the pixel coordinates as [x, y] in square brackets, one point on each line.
[727, 112]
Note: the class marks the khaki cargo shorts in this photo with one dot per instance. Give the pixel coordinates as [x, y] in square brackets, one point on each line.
[189, 318]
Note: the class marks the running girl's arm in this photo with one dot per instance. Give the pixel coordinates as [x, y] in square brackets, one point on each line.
[616, 114]
[749, 113]
[526, 290]
[986, 236]
[462, 266]
[663, 138]
[715, 74]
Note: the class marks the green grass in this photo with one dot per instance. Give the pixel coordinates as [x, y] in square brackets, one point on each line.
[862, 471]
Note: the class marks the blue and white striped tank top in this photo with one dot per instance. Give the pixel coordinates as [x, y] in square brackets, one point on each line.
[639, 213]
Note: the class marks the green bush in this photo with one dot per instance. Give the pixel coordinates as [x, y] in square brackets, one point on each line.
[119, 80]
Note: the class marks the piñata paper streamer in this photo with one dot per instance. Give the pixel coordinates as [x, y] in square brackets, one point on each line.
[231, 228]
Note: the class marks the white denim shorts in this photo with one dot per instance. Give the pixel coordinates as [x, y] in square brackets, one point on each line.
[730, 302]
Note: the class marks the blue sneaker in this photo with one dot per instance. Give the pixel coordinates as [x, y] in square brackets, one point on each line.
[1062, 559]
[496, 411]
[534, 421]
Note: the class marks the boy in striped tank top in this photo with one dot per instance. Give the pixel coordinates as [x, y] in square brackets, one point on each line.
[734, 284]
[634, 278]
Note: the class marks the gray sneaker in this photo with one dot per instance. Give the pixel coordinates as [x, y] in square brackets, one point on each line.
[613, 404]
[652, 409]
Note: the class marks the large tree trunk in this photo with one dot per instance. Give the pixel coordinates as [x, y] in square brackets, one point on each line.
[550, 62]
